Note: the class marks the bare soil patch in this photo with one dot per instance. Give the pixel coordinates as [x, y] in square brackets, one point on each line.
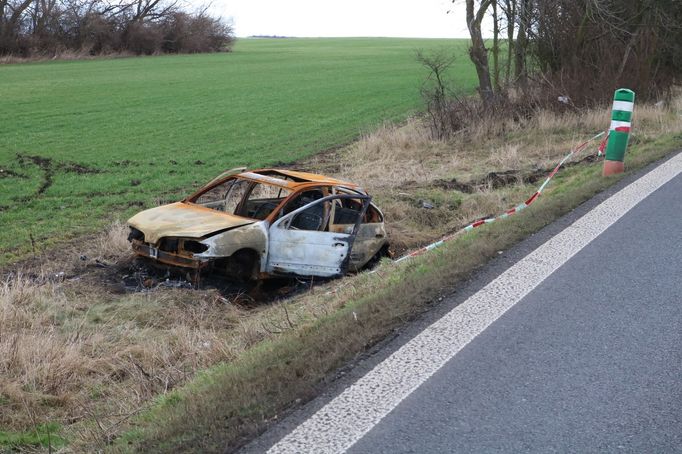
[48, 166]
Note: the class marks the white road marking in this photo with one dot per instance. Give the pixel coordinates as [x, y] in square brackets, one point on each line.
[347, 418]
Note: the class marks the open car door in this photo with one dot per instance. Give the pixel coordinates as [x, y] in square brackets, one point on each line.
[301, 243]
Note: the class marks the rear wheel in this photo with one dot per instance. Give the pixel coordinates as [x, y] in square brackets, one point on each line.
[374, 261]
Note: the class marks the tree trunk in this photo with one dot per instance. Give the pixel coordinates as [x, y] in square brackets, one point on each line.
[521, 46]
[496, 48]
[641, 17]
[478, 53]
[511, 20]
[9, 26]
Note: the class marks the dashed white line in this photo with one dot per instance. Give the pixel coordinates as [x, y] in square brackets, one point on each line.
[344, 420]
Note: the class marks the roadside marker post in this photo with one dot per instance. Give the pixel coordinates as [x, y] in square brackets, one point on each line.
[619, 131]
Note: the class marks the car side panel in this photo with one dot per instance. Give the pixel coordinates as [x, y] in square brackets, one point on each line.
[371, 238]
[253, 236]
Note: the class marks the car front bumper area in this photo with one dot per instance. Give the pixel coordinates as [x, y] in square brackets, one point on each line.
[169, 258]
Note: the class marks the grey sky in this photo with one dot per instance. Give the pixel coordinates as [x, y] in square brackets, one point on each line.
[414, 18]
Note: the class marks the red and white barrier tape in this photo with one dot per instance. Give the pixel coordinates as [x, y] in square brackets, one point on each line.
[602, 145]
[517, 208]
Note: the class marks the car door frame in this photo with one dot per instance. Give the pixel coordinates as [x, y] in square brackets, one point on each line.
[282, 226]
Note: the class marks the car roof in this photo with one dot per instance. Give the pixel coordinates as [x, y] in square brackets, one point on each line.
[296, 179]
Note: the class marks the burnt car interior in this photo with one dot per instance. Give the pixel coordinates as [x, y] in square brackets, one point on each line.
[257, 200]
[336, 216]
[311, 219]
[346, 212]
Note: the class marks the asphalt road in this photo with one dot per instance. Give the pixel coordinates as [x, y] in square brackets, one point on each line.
[587, 359]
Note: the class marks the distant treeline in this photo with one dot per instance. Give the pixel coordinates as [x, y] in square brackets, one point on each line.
[270, 36]
[30, 28]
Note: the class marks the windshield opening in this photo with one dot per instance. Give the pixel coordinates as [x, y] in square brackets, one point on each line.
[244, 198]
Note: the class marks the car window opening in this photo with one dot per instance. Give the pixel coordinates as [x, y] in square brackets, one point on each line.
[243, 198]
[346, 211]
[315, 217]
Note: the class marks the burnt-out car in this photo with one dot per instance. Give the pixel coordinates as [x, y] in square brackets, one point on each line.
[262, 223]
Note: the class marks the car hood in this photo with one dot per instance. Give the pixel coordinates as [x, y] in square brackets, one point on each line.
[183, 220]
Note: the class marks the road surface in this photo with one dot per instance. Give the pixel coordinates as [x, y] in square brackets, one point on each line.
[577, 347]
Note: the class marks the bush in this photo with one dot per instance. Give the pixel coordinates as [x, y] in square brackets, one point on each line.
[184, 33]
[97, 27]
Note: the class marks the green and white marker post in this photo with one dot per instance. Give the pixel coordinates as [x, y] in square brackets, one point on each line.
[619, 131]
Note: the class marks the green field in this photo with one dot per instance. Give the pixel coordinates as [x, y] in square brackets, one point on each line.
[82, 142]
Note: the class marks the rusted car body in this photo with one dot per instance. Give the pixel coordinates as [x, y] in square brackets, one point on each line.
[262, 223]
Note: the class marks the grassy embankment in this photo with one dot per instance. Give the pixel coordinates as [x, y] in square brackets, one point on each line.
[85, 142]
[306, 338]
[80, 354]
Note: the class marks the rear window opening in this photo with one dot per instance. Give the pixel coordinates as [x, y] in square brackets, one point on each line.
[346, 211]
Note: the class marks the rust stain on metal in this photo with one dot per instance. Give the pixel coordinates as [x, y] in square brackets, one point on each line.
[183, 220]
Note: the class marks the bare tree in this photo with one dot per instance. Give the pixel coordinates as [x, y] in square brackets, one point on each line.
[434, 91]
[579, 49]
[11, 15]
[496, 48]
[525, 9]
[478, 52]
[508, 7]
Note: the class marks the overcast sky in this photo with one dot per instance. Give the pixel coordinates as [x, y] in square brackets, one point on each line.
[399, 18]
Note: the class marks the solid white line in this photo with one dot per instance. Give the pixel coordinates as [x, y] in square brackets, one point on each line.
[344, 420]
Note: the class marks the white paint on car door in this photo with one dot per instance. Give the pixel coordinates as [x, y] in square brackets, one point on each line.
[294, 250]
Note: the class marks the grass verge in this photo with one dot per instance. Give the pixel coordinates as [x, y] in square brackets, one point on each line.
[229, 403]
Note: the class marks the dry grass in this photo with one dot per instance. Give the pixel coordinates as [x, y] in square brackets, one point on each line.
[81, 353]
[393, 156]
[71, 351]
